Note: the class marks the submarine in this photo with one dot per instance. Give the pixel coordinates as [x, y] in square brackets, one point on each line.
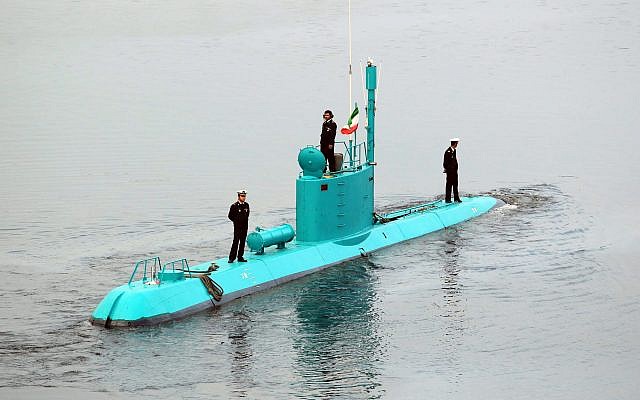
[335, 222]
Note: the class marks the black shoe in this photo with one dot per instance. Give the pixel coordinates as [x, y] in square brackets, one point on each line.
[230, 261]
[458, 201]
[448, 201]
[240, 259]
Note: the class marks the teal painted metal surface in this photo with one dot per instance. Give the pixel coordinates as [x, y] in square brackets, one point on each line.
[312, 162]
[335, 222]
[140, 302]
[170, 276]
[372, 84]
[261, 238]
[335, 207]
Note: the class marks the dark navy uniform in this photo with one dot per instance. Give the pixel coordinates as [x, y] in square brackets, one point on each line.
[328, 138]
[239, 214]
[450, 165]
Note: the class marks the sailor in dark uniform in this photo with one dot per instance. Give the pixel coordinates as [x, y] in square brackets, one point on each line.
[239, 214]
[328, 138]
[450, 165]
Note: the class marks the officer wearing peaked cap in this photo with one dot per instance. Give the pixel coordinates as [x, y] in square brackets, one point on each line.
[450, 165]
[239, 214]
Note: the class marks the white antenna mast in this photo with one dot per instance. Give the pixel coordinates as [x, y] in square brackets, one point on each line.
[350, 73]
[352, 146]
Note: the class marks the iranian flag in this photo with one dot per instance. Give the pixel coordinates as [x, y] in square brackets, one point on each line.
[352, 124]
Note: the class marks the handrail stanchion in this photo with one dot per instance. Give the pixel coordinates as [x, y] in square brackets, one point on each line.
[183, 263]
[156, 262]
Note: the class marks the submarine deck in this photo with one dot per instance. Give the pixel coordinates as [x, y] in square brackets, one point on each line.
[141, 304]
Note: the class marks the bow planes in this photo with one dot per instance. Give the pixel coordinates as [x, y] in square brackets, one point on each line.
[335, 222]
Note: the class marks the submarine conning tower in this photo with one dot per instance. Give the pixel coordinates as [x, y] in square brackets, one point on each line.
[338, 204]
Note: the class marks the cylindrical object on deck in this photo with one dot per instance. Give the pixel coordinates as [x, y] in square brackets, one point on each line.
[262, 238]
[312, 162]
[339, 160]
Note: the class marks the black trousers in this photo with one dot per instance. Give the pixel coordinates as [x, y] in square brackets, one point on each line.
[329, 156]
[452, 183]
[237, 248]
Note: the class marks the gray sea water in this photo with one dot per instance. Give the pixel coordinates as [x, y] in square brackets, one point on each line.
[127, 127]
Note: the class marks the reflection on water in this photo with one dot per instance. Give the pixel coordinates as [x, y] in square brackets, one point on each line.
[461, 306]
[340, 347]
[453, 304]
[241, 356]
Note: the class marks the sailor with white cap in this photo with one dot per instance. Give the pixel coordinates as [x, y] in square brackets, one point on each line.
[450, 165]
[239, 214]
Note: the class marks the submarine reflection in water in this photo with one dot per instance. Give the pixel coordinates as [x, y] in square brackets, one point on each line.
[340, 339]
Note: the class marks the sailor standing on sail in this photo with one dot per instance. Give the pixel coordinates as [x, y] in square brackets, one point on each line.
[450, 165]
[327, 139]
[239, 214]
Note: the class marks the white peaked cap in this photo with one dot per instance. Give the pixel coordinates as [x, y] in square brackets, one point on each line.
[242, 191]
[455, 139]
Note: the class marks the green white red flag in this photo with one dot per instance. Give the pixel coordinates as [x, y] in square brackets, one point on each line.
[352, 124]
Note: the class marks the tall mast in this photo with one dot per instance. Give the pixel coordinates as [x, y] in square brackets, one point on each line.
[354, 142]
[350, 70]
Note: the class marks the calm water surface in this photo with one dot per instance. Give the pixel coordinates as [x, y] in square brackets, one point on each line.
[127, 127]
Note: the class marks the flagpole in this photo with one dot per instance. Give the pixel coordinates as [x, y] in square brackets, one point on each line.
[351, 146]
[350, 71]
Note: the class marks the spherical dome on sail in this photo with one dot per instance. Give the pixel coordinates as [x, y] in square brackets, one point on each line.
[312, 162]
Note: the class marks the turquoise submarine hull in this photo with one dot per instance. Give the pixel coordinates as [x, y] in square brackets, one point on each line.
[138, 303]
[335, 222]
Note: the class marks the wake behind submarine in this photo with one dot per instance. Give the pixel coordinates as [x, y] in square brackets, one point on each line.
[335, 222]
